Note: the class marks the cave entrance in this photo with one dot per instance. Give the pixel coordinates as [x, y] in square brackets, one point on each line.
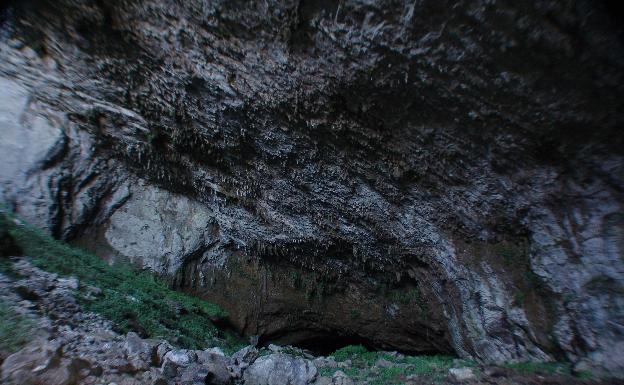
[326, 342]
[326, 345]
[319, 344]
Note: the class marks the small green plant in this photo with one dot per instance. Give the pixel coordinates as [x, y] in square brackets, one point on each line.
[133, 299]
[15, 329]
[349, 352]
[327, 371]
[353, 372]
[406, 297]
[410, 297]
[427, 365]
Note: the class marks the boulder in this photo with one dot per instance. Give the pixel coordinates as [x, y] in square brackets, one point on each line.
[216, 367]
[194, 374]
[120, 365]
[246, 355]
[162, 349]
[340, 378]
[138, 349]
[41, 363]
[461, 374]
[383, 363]
[215, 350]
[70, 283]
[325, 362]
[280, 369]
[177, 358]
[323, 380]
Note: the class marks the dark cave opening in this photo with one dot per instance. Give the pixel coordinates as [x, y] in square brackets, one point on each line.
[319, 343]
[324, 343]
[327, 344]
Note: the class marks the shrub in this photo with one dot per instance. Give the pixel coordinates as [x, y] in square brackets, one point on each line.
[349, 352]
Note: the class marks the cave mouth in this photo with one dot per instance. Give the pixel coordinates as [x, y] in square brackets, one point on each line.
[327, 342]
[319, 343]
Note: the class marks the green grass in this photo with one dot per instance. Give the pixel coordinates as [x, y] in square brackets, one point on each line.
[363, 361]
[134, 300]
[350, 352]
[15, 330]
[327, 371]
[430, 367]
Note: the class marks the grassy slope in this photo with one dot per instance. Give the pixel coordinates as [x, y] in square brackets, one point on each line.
[434, 367]
[134, 300]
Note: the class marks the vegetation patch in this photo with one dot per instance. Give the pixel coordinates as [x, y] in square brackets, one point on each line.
[327, 371]
[15, 329]
[134, 300]
[351, 352]
[364, 365]
[410, 296]
[406, 297]
[390, 368]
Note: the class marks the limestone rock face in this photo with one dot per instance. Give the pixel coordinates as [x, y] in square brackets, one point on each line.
[421, 176]
[156, 228]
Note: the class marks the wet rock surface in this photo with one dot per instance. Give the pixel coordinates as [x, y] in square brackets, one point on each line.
[422, 176]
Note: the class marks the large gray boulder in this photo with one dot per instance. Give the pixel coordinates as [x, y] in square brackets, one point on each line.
[280, 369]
[216, 367]
[41, 363]
[176, 360]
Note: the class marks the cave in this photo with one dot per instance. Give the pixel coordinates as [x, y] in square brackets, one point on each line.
[430, 176]
[319, 343]
[326, 344]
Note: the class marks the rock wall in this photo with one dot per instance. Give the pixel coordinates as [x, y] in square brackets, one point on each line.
[422, 176]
